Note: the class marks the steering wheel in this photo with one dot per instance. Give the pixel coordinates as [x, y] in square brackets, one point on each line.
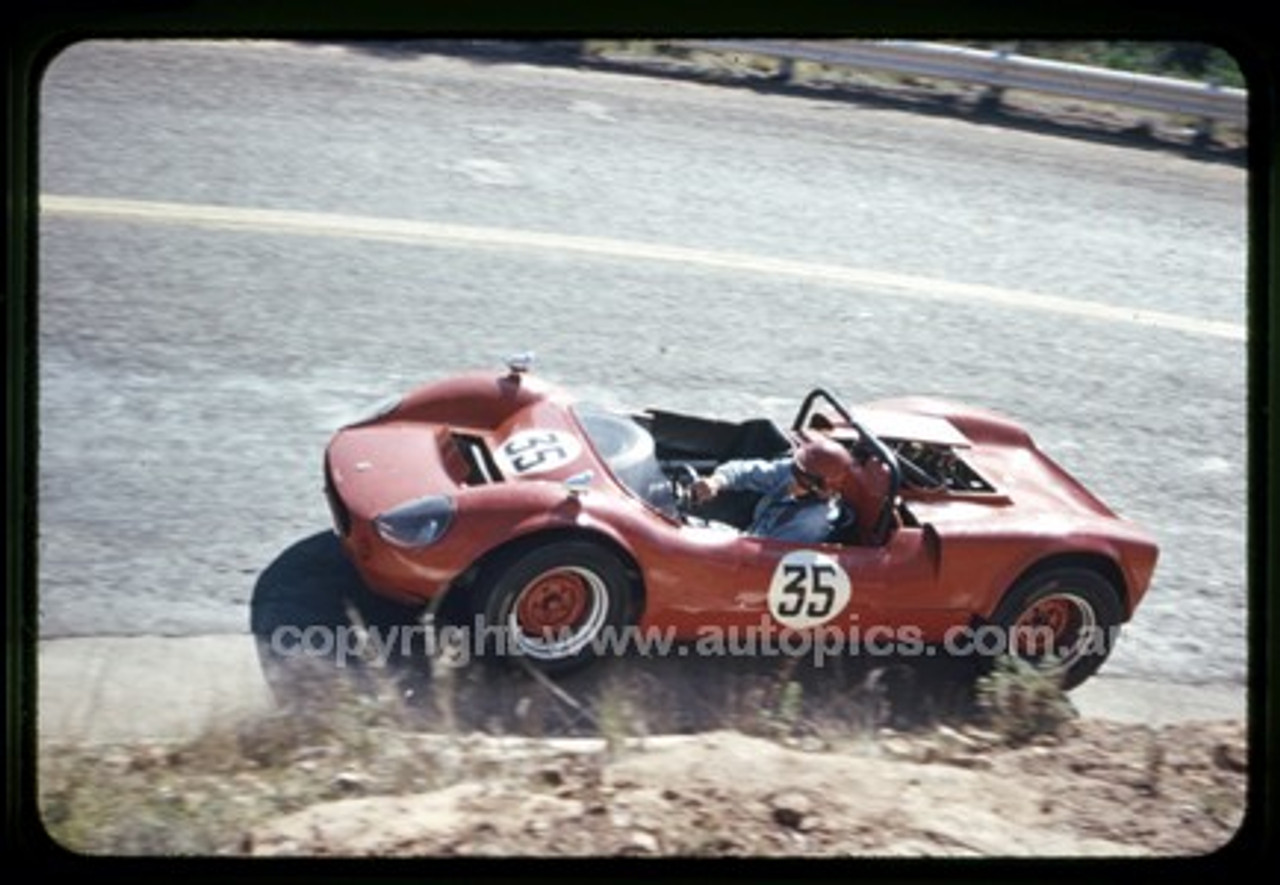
[682, 480]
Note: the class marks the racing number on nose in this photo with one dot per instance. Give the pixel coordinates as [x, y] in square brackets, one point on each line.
[812, 583]
[535, 450]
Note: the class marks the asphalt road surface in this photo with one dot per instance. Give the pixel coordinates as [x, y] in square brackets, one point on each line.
[243, 245]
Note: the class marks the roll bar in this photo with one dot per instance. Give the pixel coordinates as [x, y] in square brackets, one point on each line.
[883, 452]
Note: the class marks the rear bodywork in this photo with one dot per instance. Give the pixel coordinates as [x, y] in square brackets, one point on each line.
[515, 460]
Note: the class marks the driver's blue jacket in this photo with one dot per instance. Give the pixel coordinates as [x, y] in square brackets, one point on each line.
[779, 514]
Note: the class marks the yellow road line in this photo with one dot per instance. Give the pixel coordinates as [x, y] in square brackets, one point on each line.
[410, 231]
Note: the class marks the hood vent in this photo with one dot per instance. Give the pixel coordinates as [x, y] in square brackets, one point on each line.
[481, 468]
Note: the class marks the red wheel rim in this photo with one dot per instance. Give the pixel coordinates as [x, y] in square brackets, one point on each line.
[553, 601]
[1053, 625]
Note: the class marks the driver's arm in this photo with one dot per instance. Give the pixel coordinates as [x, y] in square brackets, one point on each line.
[752, 475]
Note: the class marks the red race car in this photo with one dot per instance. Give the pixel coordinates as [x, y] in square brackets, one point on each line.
[560, 526]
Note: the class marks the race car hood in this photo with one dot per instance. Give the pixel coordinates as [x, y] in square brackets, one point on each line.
[377, 467]
[445, 439]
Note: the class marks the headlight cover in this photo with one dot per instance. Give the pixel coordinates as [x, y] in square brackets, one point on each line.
[417, 523]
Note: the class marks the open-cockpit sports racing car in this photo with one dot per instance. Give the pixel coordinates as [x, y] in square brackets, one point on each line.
[498, 497]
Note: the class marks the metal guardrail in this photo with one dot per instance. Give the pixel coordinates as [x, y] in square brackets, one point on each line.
[1000, 71]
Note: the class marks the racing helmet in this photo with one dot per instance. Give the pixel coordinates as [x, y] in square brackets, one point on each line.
[822, 464]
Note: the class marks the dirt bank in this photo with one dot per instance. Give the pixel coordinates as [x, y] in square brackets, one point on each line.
[1108, 790]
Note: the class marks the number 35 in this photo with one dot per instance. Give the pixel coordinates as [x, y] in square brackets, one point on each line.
[809, 590]
[534, 451]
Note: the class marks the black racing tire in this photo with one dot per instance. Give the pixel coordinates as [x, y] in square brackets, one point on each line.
[1078, 607]
[547, 606]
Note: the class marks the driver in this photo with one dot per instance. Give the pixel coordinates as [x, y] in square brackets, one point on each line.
[798, 494]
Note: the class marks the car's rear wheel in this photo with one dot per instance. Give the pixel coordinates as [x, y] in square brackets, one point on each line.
[1063, 620]
[549, 606]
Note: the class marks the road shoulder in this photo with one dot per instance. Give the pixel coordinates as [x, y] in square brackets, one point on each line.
[108, 689]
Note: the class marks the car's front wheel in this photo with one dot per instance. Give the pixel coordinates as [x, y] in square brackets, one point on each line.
[1063, 620]
[551, 606]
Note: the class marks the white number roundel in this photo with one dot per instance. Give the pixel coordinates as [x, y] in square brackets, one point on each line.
[537, 451]
[808, 588]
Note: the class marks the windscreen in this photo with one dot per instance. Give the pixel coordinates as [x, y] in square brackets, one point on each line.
[628, 449]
